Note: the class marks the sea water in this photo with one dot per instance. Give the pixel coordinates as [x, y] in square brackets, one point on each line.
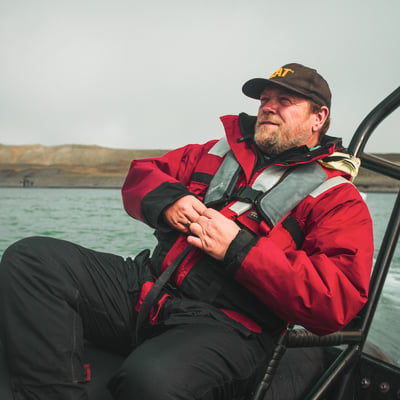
[95, 218]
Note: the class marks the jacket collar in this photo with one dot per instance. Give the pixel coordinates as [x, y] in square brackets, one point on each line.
[240, 132]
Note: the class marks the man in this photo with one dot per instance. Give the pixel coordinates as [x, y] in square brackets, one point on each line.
[258, 229]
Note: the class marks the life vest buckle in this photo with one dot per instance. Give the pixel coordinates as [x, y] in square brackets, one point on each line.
[247, 194]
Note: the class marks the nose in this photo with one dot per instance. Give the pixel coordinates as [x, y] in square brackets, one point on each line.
[270, 105]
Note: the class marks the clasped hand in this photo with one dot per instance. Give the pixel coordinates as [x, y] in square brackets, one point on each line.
[206, 228]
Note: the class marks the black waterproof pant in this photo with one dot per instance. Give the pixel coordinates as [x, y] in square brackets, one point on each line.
[54, 294]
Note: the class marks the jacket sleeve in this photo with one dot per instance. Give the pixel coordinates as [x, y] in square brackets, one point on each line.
[152, 184]
[325, 284]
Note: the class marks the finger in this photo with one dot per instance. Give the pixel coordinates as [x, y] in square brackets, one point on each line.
[210, 213]
[181, 225]
[199, 207]
[194, 213]
[187, 225]
[199, 228]
[193, 227]
[181, 228]
[195, 241]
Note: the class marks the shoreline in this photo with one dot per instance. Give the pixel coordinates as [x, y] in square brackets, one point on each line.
[381, 191]
[360, 188]
[88, 166]
[29, 176]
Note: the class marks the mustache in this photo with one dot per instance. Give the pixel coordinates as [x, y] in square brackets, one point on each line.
[267, 121]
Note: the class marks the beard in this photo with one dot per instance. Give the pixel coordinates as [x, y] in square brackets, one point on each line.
[275, 141]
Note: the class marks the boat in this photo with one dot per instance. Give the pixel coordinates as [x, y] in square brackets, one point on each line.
[352, 367]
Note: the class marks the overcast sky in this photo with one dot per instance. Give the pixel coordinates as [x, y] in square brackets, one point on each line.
[160, 73]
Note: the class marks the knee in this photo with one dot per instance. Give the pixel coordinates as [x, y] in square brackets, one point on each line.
[23, 259]
[24, 250]
[145, 380]
[28, 245]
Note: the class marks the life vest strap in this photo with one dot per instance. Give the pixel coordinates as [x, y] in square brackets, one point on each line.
[276, 203]
[224, 181]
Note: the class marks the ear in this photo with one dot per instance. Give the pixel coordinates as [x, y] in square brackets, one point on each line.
[320, 118]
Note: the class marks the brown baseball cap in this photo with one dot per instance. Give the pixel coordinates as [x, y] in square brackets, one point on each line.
[296, 77]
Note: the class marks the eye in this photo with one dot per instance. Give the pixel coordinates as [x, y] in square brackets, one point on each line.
[285, 101]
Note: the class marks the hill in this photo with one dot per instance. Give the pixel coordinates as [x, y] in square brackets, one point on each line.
[95, 166]
[67, 165]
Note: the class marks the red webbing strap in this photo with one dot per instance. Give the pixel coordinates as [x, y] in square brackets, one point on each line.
[155, 291]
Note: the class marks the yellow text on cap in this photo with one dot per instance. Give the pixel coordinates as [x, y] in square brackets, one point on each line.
[281, 72]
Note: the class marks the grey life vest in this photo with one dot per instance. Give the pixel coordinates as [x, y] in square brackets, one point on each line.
[274, 193]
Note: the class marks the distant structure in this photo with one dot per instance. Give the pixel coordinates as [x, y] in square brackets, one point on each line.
[26, 181]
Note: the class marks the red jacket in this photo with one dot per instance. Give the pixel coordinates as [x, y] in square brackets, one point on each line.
[264, 277]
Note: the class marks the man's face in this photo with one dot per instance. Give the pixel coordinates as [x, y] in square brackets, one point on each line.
[284, 121]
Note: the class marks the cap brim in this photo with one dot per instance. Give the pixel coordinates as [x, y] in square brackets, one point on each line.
[254, 87]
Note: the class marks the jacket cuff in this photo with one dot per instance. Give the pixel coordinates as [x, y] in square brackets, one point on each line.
[237, 251]
[156, 201]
